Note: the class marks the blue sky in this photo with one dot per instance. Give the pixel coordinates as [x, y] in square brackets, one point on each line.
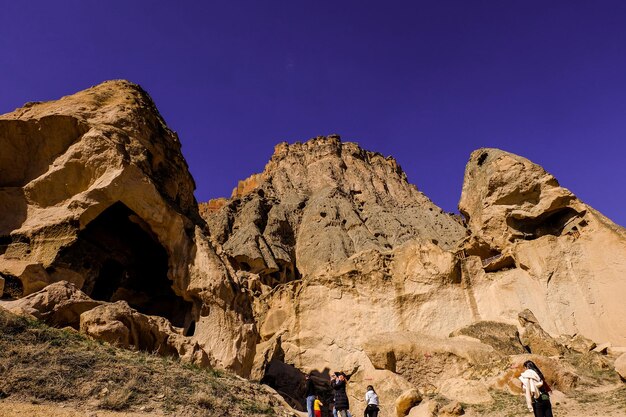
[424, 81]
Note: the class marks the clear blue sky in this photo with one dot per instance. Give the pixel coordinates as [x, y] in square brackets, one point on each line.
[424, 81]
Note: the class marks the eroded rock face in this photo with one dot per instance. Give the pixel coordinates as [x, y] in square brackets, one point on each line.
[566, 262]
[98, 194]
[327, 260]
[501, 336]
[318, 203]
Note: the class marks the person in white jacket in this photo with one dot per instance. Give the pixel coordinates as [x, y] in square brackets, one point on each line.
[371, 398]
[536, 390]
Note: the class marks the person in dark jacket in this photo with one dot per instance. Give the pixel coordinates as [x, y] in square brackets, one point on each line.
[338, 384]
[310, 394]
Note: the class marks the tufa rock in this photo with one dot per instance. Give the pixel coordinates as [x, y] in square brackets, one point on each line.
[122, 326]
[59, 304]
[501, 336]
[407, 400]
[620, 366]
[535, 338]
[97, 193]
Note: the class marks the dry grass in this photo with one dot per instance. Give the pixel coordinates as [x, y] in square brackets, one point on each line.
[39, 363]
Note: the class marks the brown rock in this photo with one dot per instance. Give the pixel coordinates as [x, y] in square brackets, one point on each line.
[465, 391]
[122, 326]
[581, 344]
[96, 192]
[501, 336]
[620, 366]
[425, 360]
[535, 338]
[406, 401]
[452, 409]
[59, 304]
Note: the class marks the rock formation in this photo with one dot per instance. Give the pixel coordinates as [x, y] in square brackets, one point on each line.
[327, 260]
[97, 193]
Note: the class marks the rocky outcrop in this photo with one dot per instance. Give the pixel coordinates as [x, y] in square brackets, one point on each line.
[620, 366]
[535, 339]
[97, 193]
[567, 261]
[58, 304]
[327, 260]
[318, 203]
[503, 337]
[120, 325]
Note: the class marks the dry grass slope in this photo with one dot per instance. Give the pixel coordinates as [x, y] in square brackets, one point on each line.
[42, 364]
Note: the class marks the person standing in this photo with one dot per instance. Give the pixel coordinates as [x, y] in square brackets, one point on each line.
[317, 407]
[371, 401]
[310, 394]
[536, 390]
[338, 384]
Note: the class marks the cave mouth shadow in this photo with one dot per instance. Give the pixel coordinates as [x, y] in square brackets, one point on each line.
[122, 259]
[290, 384]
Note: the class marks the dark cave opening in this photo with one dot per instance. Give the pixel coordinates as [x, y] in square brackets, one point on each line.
[551, 223]
[122, 259]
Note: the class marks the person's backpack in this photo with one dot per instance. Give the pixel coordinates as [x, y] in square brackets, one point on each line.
[544, 391]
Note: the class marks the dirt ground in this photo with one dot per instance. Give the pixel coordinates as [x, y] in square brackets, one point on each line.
[10, 408]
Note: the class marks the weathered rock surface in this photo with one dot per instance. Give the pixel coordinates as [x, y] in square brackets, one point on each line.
[58, 304]
[501, 336]
[567, 261]
[620, 366]
[406, 401]
[122, 326]
[94, 190]
[327, 260]
[318, 203]
[537, 340]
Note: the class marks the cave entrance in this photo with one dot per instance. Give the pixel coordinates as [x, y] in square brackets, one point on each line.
[122, 259]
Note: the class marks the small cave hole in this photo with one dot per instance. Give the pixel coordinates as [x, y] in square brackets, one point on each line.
[191, 329]
[323, 214]
[482, 158]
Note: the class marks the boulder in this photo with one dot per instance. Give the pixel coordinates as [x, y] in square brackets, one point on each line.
[406, 401]
[426, 408]
[424, 360]
[120, 325]
[620, 366]
[602, 348]
[537, 340]
[59, 304]
[501, 336]
[559, 374]
[453, 408]
[581, 344]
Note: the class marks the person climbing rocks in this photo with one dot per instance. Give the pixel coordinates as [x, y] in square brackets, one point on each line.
[310, 394]
[371, 401]
[536, 390]
[338, 383]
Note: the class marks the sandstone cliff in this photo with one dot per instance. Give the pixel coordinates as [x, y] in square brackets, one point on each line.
[327, 260]
[96, 192]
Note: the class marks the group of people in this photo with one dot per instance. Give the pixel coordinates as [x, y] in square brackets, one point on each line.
[536, 391]
[341, 403]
